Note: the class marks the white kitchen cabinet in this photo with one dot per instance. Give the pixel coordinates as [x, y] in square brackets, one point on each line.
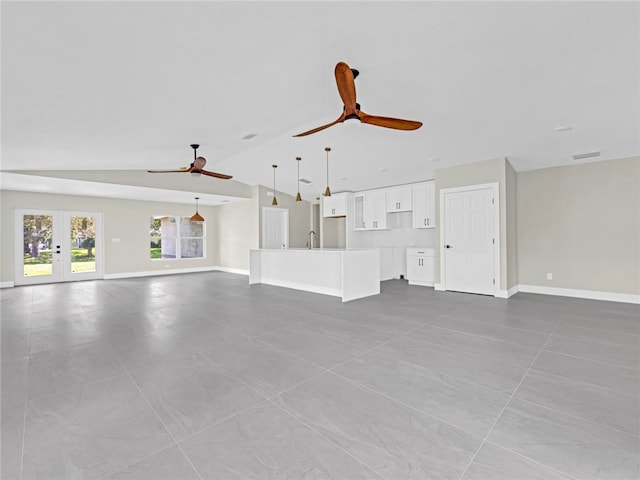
[335, 205]
[370, 210]
[421, 266]
[424, 204]
[399, 199]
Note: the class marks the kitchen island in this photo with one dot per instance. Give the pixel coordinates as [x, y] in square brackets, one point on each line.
[349, 274]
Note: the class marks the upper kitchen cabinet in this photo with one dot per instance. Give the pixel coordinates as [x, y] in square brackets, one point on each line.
[399, 199]
[370, 210]
[424, 204]
[335, 205]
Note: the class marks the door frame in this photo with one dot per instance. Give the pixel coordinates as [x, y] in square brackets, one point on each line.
[495, 187]
[60, 219]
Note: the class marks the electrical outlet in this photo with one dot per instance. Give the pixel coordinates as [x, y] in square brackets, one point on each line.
[549, 276]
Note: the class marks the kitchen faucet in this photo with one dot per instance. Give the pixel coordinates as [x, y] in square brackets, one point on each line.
[311, 240]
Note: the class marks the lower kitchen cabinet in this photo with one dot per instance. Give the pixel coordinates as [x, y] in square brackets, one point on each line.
[421, 266]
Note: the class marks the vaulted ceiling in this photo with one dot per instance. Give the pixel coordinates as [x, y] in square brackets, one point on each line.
[130, 85]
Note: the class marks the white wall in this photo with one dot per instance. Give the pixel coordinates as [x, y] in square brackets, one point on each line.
[581, 223]
[127, 220]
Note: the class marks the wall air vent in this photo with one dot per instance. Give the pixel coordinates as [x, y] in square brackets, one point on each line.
[305, 181]
[581, 156]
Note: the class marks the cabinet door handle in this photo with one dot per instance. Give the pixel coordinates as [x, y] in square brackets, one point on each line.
[427, 221]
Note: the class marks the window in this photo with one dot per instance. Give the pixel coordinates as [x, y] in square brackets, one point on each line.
[176, 237]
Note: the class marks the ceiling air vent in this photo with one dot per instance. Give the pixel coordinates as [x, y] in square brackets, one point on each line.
[305, 181]
[581, 156]
[249, 136]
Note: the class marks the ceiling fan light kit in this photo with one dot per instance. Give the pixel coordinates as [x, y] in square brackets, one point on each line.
[345, 80]
[196, 168]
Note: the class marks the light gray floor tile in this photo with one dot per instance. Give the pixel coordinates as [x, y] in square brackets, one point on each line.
[57, 371]
[604, 375]
[169, 464]
[591, 349]
[456, 362]
[492, 331]
[202, 334]
[266, 442]
[495, 463]
[90, 432]
[15, 346]
[348, 332]
[190, 394]
[319, 349]
[65, 334]
[268, 370]
[14, 382]
[137, 350]
[473, 345]
[576, 331]
[395, 441]
[452, 373]
[583, 400]
[462, 404]
[12, 421]
[605, 322]
[582, 449]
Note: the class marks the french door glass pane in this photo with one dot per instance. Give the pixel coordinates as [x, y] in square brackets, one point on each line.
[83, 242]
[38, 230]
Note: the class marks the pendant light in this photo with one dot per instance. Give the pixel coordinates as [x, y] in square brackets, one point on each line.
[196, 217]
[274, 201]
[298, 197]
[327, 192]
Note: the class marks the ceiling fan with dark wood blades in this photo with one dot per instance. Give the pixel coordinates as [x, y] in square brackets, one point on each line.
[196, 167]
[345, 79]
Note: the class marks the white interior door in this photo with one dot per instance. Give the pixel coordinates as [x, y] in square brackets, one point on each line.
[275, 227]
[57, 246]
[469, 239]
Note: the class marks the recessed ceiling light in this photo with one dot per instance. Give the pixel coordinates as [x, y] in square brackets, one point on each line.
[563, 128]
[249, 136]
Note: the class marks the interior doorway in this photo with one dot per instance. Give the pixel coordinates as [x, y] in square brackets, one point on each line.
[57, 246]
[275, 227]
[469, 239]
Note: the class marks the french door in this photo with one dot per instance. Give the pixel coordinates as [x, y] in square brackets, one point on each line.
[57, 246]
[470, 253]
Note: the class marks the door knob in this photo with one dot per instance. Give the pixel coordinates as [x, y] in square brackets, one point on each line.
[448, 246]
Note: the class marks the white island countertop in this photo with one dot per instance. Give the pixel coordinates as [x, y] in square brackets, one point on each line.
[345, 273]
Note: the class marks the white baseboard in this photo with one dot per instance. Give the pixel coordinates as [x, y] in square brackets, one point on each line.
[438, 287]
[239, 271]
[589, 294]
[153, 273]
[6, 285]
[507, 293]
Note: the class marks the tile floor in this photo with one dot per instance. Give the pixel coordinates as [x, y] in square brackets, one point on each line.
[204, 377]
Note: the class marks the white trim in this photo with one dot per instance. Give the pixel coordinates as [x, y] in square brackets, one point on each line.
[438, 287]
[495, 186]
[507, 293]
[6, 285]
[239, 271]
[572, 292]
[153, 273]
